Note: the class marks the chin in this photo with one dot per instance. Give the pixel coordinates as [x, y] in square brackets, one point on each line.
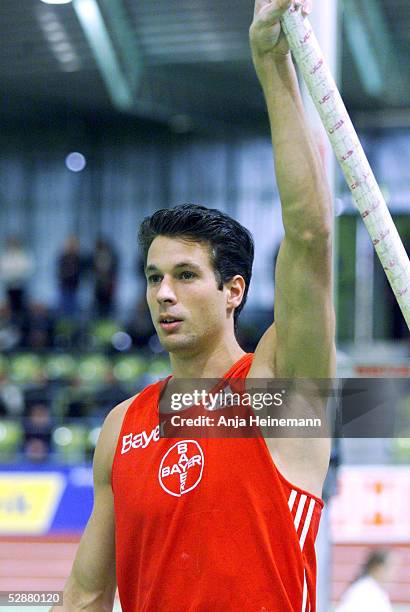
[178, 343]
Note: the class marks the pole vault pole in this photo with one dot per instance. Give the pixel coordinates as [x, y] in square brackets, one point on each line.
[350, 155]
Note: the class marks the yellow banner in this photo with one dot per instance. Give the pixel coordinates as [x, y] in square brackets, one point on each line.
[28, 501]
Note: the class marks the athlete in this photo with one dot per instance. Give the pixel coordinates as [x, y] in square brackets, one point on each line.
[225, 523]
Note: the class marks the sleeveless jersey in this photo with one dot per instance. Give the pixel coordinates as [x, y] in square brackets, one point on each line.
[208, 524]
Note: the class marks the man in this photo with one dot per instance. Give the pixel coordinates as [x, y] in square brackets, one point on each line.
[236, 530]
[70, 267]
[16, 268]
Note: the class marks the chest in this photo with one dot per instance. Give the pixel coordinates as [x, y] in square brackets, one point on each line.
[159, 476]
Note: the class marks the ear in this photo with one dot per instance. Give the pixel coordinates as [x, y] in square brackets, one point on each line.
[235, 290]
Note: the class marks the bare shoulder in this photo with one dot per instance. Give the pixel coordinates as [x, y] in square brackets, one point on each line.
[107, 441]
[116, 416]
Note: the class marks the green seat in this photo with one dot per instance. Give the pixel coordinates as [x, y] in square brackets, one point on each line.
[129, 368]
[401, 450]
[94, 369]
[25, 368]
[11, 437]
[70, 443]
[59, 367]
[66, 331]
[400, 444]
[4, 365]
[102, 332]
[159, 367]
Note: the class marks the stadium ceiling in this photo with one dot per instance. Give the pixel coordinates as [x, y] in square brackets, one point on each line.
[184, 61]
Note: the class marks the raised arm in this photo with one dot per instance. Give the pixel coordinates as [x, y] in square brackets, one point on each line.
[92, 583]
[302, 345]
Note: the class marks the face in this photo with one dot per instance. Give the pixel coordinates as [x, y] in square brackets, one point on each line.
[187, 308]
[388, 570]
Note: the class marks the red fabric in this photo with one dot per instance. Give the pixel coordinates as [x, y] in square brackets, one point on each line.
[239, 536]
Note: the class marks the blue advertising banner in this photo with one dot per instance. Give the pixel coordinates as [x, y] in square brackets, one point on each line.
[44, 500]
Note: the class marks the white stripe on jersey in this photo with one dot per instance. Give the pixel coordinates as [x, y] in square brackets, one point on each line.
[308, 518]
[292, 498]
[299, 511]
[306, 524]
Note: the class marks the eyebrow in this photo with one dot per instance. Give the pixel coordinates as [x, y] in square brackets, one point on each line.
[182, 264]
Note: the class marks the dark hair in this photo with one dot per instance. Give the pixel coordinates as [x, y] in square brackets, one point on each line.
[231, 244]
[375, 558]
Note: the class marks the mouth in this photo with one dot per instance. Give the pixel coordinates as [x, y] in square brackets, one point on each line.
[169, 323]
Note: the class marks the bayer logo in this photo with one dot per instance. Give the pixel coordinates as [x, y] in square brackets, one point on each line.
[181, 468]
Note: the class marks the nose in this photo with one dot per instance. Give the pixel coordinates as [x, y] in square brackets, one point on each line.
[166, 293]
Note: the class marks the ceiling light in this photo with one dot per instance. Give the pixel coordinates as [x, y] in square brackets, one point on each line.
[67, 56]
[62, 47]
[58, 39]
[56, 36]
[75, 161]
[49, 22]
[56, 1]
[71, 66]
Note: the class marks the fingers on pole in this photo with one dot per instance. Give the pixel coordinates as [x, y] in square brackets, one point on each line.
[272, 8]
[305, 5]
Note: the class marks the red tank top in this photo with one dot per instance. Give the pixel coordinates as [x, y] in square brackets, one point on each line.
[235, 536]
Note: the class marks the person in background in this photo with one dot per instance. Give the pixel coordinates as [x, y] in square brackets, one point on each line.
[10, 333]
[16, 267]
[36, 450]
[104, 267]
[11, 397]
[367, 593]
[139, 325]
[37, 430]
[38, 327]
[70, 267]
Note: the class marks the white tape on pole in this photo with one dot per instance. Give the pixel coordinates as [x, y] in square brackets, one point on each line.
[350, 155]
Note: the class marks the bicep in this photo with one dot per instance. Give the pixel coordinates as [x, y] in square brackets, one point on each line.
[304, 315]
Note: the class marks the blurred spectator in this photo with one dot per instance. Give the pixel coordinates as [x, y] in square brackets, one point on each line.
[38, 422]
[140, 326]
[75, 400]
[38, 327]
[36, 450]
[111, 394]
[11, 397]
[38, 427]
[366, 593]
[104, 266]
[9, 332]
[70, 267]
[16, 267]
[38, 390]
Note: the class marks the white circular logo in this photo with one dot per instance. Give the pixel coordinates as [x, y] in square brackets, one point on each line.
[181, 468]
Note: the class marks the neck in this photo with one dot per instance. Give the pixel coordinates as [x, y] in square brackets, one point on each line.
[210, 363]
